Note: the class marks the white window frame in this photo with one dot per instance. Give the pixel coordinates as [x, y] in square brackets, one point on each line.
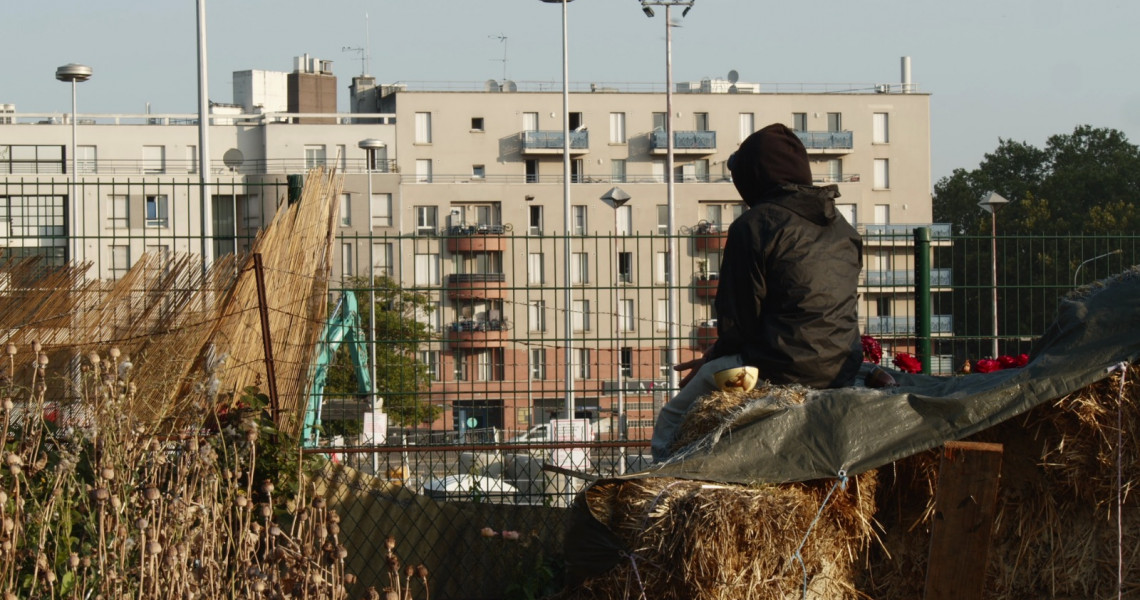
[624, 276]
[423, 128]
[120, 259]
[534, 225]
[880, 128]
[618, 172]
[118, 211]
[426, 269]
[315, 156]
[536, 316]
[579, 223]
[747, 125]
[882, 214]
[580, 315]
[86, 158]
[382, 255]
[581, 363]
[478, 171]
[154, 159]
[427, 220]
[345, 210]
[537, 364]
[430, 360]
[252, 216]
[849, 212]
[617, 128]
[535, 269]
[423, 170]
[579, 268]
[882, 178]
[347, 253]
[661, 268]
[662, 219]
[626, 318]
[160, 215]
[661, 323]
[625, 220]
[381, 210]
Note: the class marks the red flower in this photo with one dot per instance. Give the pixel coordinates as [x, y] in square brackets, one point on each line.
[872, 351]
[907, 363]
[1022, 360]
[1007, 362]
[986, 365]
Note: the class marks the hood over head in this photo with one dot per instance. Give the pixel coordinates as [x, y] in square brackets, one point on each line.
[768, 160]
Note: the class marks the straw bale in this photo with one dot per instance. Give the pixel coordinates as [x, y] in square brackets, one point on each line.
[718, 412]
[1055, 532]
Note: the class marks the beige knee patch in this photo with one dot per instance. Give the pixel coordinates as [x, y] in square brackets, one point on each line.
[737, 379]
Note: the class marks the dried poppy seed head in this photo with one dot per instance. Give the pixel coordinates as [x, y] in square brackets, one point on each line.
[391, 543]
[114, 352]
[100, 494]
[151, 493]
[73, 561]
[37, 346]
[141, 523]
[318, 502]
[94, 358]
[11, 349]
[422, 572]
[107, 473]
[43, 360]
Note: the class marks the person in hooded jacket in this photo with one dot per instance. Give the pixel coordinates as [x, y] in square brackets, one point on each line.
[786, 300]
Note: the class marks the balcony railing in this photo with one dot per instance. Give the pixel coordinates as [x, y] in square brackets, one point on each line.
[905, 326]
[273, 166]
[552, 140]
[826, 140]
[901, 230]
[938, 278]
[684, 141]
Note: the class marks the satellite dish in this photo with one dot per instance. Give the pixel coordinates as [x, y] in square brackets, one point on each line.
[510, 86]
[732, 89]
[733, 76]
[233, 158]
[491, 85]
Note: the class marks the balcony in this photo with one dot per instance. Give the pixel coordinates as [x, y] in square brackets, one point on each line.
[684, 142]
[476, 238]
[938, 278]
[477, 334]
[827, 142]
[709, 236]
[905, 326]
[902, 234]
[477, 286]
[550, 142]
[704, 334]
[705, 285]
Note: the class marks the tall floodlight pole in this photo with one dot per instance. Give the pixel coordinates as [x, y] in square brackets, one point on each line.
[204, 143]
[671, 307]
[568, 323]
[74, 73]
[370, 146]
[617, 198]
[990, 204]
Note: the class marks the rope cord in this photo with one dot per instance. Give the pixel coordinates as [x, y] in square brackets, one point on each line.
[841, 482]
[1123, 368]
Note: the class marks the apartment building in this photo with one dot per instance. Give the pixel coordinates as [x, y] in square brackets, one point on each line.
[468, 207]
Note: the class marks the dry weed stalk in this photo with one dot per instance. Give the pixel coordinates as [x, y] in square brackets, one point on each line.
[101, 504]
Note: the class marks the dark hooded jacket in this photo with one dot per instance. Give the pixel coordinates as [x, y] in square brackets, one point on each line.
[787, 295]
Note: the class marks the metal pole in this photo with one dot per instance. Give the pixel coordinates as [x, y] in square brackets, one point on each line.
[671, 259]
[566, 298]
[266, 340]
[74, 178]
[204, 143]
[377, 403]
[993, 255]
[922, 295]
[619, 314]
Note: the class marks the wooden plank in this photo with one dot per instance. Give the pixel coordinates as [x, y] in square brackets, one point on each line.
[964, 507]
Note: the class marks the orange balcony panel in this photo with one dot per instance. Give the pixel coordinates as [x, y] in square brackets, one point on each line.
[705, 288]
[476, 290]
[477, 243]
[713, 241]
[477, 339]
[704, 336]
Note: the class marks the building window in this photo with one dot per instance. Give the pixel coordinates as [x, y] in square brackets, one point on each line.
[423, 128]
[747, 125]
[85, 157]
[476, 123]
[883, 306]
[720, 216]
[478, 172]
[534, 219]
[625, 267]
[835, 170]
[192, 160]
[345, 210]
[581, 363]
[659, 121]
[662, 219]
[625, 315]
[617, 128]
[701, 121]
[624, 220]
[882, 174]
[120, 261]
[252, 211]
[534, 269]
[849, 212]
[423, 170]
[381, 210]
[156, 211]
[576, 122]
[580, 315]
[430, 360]
[154, 159]
[835, 121]
[382, 255]
[579, 268]
[882, 214]
[31, 159]
[626, 359]
[799, 122]
[118, 212]
[538, 364]
[461, 365]
[531, 165]
[427, 222]
[577, 171]
[427, 269]
[530, 121]
[661, 323]
[579, 219]
[314, 156]
[658, 174]
[880, 128]
[536, 320]
[489, 363]
[661, 273]
[617, 170]
[346, 256]
[701, 170]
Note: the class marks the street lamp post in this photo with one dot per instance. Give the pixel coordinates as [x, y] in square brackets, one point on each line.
[990, 204]
[617, 198]
[74, 73]
[1078, 271]
[671, 307]
[370, 146]
[566, 297]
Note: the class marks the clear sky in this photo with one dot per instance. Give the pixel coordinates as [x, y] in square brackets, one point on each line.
[1012, 69]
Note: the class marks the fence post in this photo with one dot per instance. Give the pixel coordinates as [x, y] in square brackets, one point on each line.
[923, 315]
[267, 343]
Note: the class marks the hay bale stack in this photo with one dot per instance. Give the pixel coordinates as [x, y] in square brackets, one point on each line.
[694, 540]
[1055, 534]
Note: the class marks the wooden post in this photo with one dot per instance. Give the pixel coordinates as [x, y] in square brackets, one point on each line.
[267, 342]
[964, 506]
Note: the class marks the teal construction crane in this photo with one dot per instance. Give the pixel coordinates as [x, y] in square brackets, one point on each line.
[343, 327]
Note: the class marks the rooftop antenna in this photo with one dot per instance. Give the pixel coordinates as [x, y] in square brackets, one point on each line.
[359, 51]
[502, 38]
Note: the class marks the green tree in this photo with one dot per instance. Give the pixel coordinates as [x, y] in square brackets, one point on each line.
[402, 379]
[1080, 183]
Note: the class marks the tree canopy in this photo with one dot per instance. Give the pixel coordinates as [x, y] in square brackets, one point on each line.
[1083, 182]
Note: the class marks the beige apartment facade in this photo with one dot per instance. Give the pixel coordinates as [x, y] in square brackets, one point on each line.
[468, 207]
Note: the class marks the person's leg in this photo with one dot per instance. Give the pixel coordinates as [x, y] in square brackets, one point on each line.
[673, 413]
